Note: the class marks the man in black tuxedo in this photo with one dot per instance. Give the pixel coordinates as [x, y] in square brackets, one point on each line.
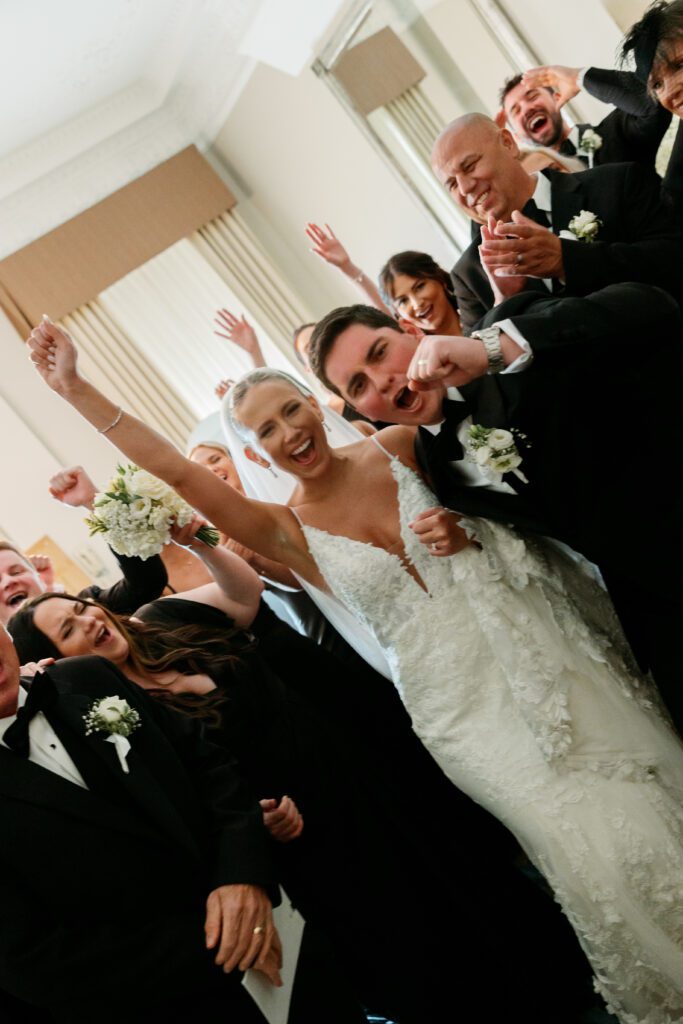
[593, 383]
[523, 216]
[532, 103]
[119, 889]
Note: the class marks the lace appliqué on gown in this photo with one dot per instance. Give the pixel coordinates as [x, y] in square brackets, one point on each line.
[532, 708]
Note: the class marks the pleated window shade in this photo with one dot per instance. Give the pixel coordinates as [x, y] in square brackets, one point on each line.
[71, 265]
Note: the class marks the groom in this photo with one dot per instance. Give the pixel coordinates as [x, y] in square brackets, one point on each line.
[590, 388]
[126, 895]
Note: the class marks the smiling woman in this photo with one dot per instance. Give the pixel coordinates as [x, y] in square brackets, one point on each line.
[421, 293]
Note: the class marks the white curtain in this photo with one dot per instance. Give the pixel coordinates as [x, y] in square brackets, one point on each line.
[168, 306]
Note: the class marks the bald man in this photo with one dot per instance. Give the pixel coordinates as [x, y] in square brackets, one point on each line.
[527, 242]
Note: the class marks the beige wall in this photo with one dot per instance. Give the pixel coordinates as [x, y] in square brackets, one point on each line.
[40, 434]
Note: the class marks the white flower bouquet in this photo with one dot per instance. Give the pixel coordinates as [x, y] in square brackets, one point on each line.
[494, 450]
[136, 512]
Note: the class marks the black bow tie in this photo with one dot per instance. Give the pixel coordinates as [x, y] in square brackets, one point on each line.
[38, 698]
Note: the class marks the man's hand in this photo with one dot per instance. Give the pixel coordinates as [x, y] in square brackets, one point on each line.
[54, 355]
[524, 247]
[73, 487]
[502, 287]
[45, 569]
[438, 529]
[446, 362]
[562, 80]
[239, 925]
[283, 820]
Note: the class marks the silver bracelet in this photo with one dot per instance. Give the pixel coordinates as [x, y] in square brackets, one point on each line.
[114, 422]
[490, 337]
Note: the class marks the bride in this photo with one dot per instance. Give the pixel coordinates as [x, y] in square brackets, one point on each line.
[505, 655]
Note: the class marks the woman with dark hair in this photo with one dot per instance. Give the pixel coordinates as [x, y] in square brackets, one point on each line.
[420, 293]
[655, 45]
[290, 715]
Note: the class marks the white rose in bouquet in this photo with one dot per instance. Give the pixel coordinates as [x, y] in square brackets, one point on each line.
[137, 511]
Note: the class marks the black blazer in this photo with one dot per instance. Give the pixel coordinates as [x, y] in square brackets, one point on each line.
[634, 130]
[109, 883]
[600, 410]
[637, 241]
[142, 580]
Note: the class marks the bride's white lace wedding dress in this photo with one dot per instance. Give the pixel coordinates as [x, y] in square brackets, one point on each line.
[506, 666]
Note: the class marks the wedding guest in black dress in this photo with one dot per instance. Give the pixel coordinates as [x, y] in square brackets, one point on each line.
[374, 869]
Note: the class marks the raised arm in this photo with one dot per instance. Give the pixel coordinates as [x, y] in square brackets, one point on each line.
[329, 248]
[267, 528]
[240, 333]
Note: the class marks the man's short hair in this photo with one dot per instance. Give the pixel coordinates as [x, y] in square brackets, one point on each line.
[508, 85]
[6, 546]
[511, 84]
[335, 323]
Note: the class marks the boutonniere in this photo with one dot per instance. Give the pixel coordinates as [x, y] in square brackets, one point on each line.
[494, 451]
[116, 717]
[590, 141]
[583, 227]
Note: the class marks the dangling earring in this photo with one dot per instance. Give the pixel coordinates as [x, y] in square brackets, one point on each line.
[327, 427]
[271, 471]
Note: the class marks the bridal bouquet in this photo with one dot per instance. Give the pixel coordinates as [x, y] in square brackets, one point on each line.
[136, 512]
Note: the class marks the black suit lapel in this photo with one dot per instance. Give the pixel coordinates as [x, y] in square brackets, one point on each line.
[566, 198]
[102, 768]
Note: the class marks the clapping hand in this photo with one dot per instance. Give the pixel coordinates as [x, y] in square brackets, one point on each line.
[328, 246]
[439, 530]
[522, 246]
[562, 80]
[502, 287]
[283, 820]
[239, 926]
[33, 668]
[54, 355]
[73, 487]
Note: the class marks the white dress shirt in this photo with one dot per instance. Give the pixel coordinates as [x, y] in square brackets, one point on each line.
[45, 748]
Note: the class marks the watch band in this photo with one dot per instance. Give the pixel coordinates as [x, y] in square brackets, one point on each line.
[490, 338]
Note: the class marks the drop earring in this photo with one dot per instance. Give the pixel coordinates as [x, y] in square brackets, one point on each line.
[327, 427]
[272, 471]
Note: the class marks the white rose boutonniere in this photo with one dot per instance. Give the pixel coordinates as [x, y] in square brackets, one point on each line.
[116, 717]
[582, 228]
[494, 450]
[590, 142]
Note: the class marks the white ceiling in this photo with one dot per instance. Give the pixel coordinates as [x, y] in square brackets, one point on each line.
[98, 91]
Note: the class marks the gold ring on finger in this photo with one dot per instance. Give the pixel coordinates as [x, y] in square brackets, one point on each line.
[259, 929]
[518, 258]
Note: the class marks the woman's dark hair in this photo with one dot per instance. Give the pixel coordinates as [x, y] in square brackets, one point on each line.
[188, 648]
[414, 264]
[648, 39]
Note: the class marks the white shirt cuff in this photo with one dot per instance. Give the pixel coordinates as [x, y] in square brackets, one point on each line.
[523, 361]
[580, 77]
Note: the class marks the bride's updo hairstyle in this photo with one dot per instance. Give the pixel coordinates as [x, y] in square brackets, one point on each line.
[240, 390]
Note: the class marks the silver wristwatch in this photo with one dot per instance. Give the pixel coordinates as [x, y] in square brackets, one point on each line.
[490, 337]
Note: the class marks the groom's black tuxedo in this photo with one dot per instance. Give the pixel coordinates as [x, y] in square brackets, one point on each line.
[599, 406]
[103, 889]
[638, 239]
